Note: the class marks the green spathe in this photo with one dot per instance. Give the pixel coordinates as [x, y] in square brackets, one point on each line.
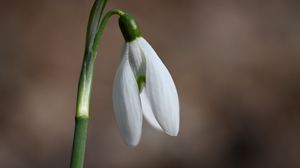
[129, 28]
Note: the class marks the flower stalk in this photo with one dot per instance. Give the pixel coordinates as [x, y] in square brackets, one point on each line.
[95, 29]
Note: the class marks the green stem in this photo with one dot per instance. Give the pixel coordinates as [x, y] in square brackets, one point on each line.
[79, 143]
[94, 33]
[103, 24]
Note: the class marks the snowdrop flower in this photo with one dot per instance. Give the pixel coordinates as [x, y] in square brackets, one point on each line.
[143, 87]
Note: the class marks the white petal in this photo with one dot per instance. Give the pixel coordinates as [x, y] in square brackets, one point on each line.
[126, 102]
[147, 111]
[161, 91]
[136, 60]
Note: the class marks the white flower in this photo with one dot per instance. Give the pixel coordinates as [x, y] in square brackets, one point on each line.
[144, 87]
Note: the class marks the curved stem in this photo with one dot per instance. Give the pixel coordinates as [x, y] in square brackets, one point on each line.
[94, 33]
[103, 24]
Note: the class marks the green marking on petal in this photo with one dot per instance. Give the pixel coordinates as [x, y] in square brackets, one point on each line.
[141, 80]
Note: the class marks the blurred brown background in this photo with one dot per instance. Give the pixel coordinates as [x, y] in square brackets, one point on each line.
[236, 65]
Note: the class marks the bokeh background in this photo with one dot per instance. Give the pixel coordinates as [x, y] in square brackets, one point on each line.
[236, 64]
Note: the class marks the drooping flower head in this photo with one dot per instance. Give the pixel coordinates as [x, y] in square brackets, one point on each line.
[143, 87]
